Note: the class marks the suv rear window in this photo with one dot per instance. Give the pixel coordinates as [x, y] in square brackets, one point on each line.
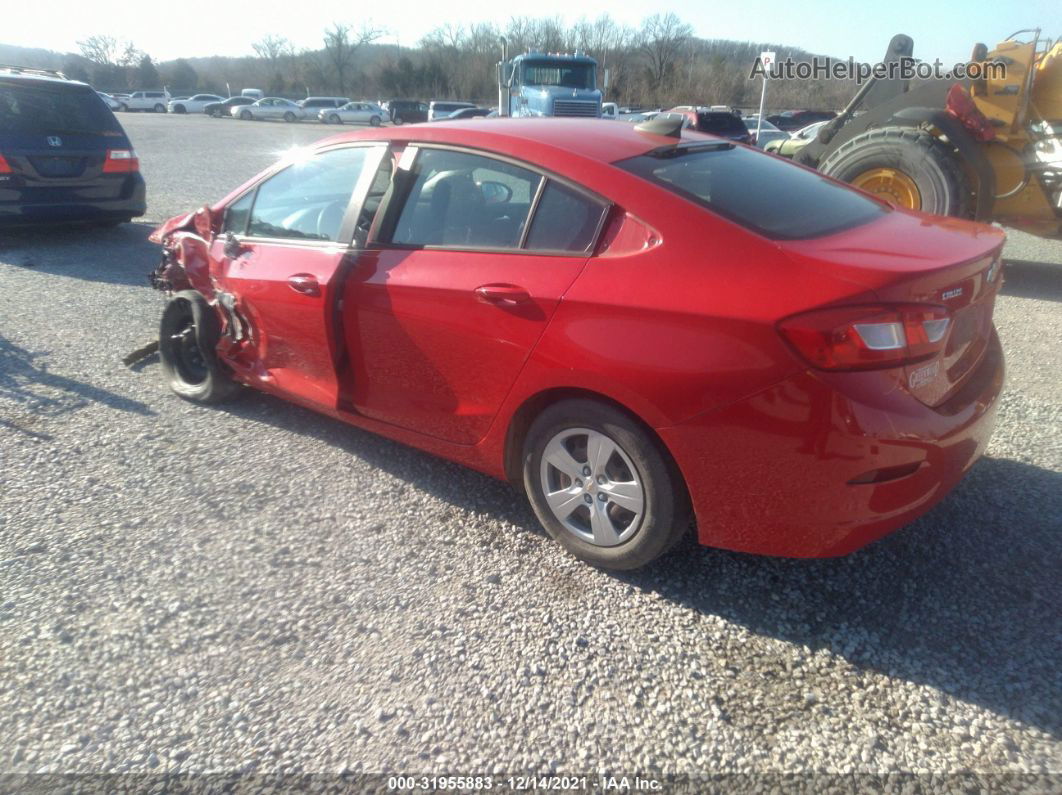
[776, 199]
[726, 123]
[56, 108]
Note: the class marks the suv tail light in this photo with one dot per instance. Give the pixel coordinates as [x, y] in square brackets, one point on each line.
[120, 161]
[868, 337]
[4, 167]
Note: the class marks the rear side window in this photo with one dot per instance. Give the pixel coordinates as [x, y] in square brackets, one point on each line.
[465, 200]
[565, 220]
[774, 198]
[36, 108]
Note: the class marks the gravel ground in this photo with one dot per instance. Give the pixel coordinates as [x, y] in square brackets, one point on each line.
[258, 588]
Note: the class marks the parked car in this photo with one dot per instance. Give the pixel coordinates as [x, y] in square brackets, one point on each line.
[253, 93]
[111, 102]
[792, 120]
[154, 101]
[716, 122]
[469, 113]
[224, 108]
[623, 319]
[269, 108]
[314, 104]
[354, 113]
[440, 109]
[767, 131]
[63, 155]
[796, 141]
[609, 110]
[406, 111]
[193, 104]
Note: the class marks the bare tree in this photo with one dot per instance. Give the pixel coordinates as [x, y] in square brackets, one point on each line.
[341, 45]
[272, 49]
[109, 51]
[662, 41]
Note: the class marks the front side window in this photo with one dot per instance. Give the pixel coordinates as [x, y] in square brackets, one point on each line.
[465, 200]
[308, 199]
[745, 186]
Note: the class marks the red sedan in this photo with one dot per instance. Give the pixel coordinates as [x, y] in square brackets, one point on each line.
[632, 324]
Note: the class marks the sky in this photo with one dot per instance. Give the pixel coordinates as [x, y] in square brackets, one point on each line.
[839, 28]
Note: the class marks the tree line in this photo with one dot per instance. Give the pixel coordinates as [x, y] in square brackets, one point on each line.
[657, 63]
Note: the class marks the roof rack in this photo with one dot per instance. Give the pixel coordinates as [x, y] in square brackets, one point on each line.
[29, 70]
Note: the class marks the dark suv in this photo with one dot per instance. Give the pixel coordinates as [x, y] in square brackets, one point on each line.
[406, 111]
[63, 154]
[725, 124]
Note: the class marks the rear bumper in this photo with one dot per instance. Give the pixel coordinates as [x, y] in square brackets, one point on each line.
[773, 474]
[74, 203]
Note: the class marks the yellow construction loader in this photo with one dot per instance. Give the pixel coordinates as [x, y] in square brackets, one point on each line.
[985, 145]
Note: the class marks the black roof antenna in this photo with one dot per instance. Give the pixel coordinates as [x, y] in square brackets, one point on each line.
[671, 126]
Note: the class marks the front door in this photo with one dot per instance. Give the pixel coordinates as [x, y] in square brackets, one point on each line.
[283, 264]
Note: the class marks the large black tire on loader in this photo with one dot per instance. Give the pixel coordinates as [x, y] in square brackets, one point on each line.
[906, 166]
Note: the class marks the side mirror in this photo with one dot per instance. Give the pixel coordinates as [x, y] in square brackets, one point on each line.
[495, 192]
[204, 223]
[232, 248]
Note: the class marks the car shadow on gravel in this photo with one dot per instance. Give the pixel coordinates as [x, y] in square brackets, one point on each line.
[29, 392]
[119, 255]
[965, 600]
[1028, 279]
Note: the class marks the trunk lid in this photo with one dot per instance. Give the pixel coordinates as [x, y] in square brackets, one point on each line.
[910, 258]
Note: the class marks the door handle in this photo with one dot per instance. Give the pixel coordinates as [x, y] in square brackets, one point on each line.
[304, 283]
[505, 294]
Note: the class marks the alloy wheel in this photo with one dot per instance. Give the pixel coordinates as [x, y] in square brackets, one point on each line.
[592, 486]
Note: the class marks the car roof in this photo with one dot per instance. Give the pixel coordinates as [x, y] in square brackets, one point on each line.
[40, 79]
[592, 139]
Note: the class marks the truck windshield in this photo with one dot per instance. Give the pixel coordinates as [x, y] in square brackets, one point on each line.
[558, 73]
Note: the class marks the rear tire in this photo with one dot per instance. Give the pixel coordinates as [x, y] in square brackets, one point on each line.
[289, 117]
[188, 335]
[620, 509]
[398, 120]
[123, 107]
[921, 159]
[179, 109]
[159, 108]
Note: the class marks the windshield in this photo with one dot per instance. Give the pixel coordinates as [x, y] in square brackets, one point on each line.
[558, 73]
[768, 195]
[37, 108]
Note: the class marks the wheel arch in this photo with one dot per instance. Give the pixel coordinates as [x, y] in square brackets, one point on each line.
[521, 419]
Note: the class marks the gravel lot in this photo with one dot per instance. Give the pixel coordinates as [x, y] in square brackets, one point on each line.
[259, 588]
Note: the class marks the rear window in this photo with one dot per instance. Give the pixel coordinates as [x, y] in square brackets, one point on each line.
[35, 108]
[771, 197]
[720, 123]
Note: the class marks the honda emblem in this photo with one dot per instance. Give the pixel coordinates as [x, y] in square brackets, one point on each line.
[54, 140]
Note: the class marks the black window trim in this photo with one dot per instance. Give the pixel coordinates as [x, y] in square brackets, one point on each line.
[390, 210]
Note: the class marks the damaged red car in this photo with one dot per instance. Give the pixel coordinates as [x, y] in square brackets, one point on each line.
[635, 325]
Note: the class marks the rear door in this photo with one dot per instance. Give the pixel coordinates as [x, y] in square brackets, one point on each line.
[291, 236]
[442, 313]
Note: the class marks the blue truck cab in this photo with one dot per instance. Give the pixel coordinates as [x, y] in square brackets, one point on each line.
[541, 84]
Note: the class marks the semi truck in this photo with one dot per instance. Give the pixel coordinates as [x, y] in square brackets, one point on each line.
[548, 84]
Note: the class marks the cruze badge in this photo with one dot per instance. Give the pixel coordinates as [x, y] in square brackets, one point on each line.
[54, 140]
[949, 294]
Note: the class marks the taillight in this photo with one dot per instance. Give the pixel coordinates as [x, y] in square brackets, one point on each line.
[120, 161]
[4, 167]
[868, 337]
